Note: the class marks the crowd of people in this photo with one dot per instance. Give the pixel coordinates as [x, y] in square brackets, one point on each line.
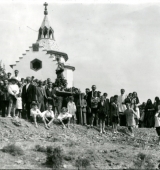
[37, 100]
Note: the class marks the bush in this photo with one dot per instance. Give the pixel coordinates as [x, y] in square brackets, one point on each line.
[54, 157]
[40, 148]
[144, 161]
[13, 150]
[82, 163]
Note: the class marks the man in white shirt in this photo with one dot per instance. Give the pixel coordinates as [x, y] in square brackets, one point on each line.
[122, 107]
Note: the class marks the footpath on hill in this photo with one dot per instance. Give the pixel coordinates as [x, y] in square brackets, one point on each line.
[107, 151]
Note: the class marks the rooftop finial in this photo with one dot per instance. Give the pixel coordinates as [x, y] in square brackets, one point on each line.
[45, 10]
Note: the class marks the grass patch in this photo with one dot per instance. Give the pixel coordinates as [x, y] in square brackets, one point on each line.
[13, 150]
[54, 157]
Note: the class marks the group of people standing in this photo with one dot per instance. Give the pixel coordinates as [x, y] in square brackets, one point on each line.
[19, 96]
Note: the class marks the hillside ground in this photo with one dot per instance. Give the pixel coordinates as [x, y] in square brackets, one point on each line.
[107, 151]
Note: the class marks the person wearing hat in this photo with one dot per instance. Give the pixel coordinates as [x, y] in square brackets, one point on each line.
[13, 91]
[28, 95]
[36, 114]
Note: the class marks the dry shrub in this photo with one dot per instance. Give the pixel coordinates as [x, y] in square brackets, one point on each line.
[82, 163]
[54, 157]
[39, 148]
[144, 161]
[13, 150]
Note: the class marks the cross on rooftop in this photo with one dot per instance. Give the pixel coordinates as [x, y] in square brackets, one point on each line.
[45, 12]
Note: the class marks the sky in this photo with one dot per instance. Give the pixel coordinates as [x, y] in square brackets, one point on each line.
[112, 44]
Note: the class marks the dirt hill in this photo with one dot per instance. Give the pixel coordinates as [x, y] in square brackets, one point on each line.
[109, 151]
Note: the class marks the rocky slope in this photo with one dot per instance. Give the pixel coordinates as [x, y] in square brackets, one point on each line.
[109, 151]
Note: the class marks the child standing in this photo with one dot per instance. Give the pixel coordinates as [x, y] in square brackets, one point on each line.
[19, 101]
[102, 110]
[157, 123]
[115, 114]
[130, 115]
[72, 109]
[19, 105]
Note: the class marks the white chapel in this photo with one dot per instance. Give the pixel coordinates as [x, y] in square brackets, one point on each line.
[40, 60]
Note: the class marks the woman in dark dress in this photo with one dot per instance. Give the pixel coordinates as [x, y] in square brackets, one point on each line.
[110, 109]
[5, 98]
[149, 114]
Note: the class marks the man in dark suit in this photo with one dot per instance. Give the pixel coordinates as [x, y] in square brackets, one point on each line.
[87, 109]
[106, 101]
[28, 95]
[90, 95]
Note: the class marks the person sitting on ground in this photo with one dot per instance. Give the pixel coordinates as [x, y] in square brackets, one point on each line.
[48, 116]
[72, 109]
[64, 117]
[35, 113]
[130, 115]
